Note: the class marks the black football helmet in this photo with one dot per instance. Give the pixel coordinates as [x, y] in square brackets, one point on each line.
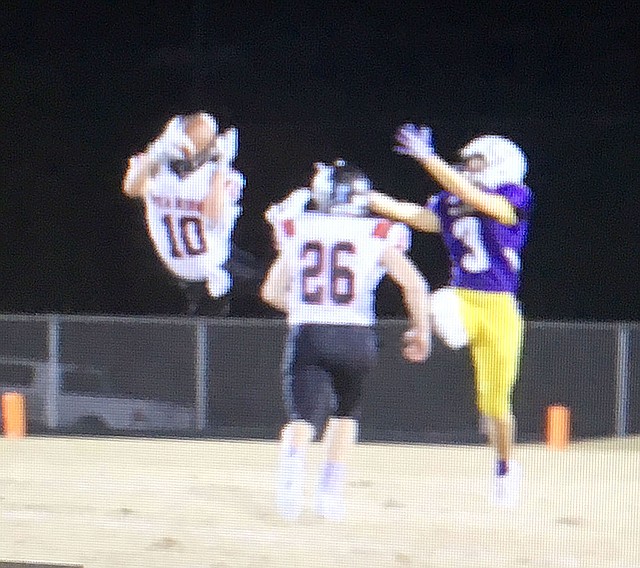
[340, 189]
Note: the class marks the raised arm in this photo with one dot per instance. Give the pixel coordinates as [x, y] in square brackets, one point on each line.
[415, 294]
[225, 191]
[418, 143]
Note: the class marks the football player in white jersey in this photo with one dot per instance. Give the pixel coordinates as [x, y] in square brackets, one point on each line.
[332, 256]
[192, 197]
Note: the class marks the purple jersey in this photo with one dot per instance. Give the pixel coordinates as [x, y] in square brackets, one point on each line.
[485, 254]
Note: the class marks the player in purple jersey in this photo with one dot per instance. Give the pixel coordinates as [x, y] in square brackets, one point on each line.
[483, 214]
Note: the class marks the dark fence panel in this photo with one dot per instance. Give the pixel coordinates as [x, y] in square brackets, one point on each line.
[433, 401]
[425, 402]
[573, 365]
[634, 381]
[138, 359]
[22, 338]
[244, 378]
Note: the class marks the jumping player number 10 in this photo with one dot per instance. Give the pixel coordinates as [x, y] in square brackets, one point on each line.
[190, 230]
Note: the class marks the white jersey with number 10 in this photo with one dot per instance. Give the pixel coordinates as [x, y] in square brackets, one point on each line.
[188, 246]
[334, 264]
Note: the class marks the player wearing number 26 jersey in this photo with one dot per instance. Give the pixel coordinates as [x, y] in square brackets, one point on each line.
[332, 255]
[191, 193]
[483, 215]
[339, 268]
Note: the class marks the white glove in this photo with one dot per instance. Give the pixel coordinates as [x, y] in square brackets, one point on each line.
[172, 144]
[290, 207]
[227, 145]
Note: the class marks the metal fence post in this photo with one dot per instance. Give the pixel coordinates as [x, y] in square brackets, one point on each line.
[202, 367]
[52, 391]
[622, 380]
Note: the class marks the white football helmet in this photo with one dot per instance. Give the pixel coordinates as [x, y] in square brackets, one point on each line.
[340, 189]
[505, 161]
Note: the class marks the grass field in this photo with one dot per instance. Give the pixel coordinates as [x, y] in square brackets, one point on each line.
[119, 502]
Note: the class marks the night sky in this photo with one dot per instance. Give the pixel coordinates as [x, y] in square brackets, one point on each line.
[83, 88]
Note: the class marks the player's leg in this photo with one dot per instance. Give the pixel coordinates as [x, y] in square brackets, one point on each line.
[234, 277]
[496, 355]
[294, 440]
[247, 272]
[213, 263]
[354, 354]
[339, 438]
[302, 379]
[199, 302]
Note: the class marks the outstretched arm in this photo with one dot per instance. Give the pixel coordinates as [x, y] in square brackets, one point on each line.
[417, 217]
[418, 143]
[415, 293]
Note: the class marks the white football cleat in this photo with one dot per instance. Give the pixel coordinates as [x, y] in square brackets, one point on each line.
[290, 484]
[331, 505]
[290, 497]
[506, 488]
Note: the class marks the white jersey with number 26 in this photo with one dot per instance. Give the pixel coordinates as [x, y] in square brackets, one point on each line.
[187, 244]
[335, 265]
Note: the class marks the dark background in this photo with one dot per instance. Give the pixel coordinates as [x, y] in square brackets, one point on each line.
[85, 84]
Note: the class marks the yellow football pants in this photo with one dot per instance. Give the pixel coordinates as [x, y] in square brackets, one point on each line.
[495, 327]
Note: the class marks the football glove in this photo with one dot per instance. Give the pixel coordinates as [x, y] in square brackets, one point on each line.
[415, 141]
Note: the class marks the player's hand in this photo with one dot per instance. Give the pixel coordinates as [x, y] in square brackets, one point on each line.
[416, 346]
[172, 144]
[227, 145]
[415, 141]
